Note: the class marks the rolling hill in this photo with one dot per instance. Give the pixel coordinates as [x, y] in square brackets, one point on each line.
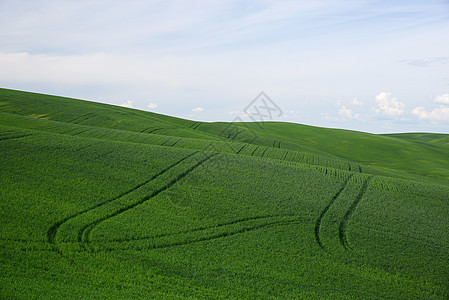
[99, 201]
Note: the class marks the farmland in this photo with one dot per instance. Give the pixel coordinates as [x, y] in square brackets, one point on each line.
[99, 201]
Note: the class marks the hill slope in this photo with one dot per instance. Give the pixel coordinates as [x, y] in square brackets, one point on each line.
[99, 201]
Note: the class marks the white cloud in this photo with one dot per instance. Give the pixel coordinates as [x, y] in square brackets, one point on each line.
[152, 105]
[390, 106]
[347, 113]
[128, 103]
[327, 117]
[290, 115]
[438, 114]
[236, 112]
[442, 99]
[357, 102]
[198, 109]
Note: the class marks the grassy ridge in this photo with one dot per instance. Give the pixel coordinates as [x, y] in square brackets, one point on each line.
[160, 207]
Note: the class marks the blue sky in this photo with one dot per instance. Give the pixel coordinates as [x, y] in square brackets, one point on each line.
[376, 66]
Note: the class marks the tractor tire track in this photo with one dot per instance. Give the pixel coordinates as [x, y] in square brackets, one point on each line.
[325, 210]
[51, 233]
[235, 135]
[227, 234]
[176, 142]
[82, 131]
[154, 130]
[254, 151]
[263, 153]
[195, 125]
[204, 228]
[7, 132]
[343, 224]
[84, 233]
[79, 118]
[241, 149]
[14, 137]
[166, 141]
[211, 237]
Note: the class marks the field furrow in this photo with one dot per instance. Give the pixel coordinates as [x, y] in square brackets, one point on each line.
[166, 141]
[241, 149]
[264, 151]
[177, 141]
[254, 151]
[343, 224]
[5, 138]
[81, 118]
[200, 234]
[325, 210]
[203, 228]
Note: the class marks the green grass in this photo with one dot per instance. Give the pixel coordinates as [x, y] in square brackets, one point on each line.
[104, 202]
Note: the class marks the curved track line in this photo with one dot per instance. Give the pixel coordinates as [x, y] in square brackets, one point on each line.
[343, 224]
[215, 236]
[51, 233]
[263, 153]
[77, 119]
[204, 228]
[235, 135]
[154, 130]
[7, 132]
[82, 131]
[241, 149]
[255, 150]
[176, 142]
[325, 210]
[84, 233]
[224, 234]
[195, 125]
[166, 141]
[14, 137]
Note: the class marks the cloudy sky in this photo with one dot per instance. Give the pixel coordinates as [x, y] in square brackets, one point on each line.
[376, 66]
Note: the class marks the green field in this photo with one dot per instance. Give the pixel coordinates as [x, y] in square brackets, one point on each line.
[106, 202]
